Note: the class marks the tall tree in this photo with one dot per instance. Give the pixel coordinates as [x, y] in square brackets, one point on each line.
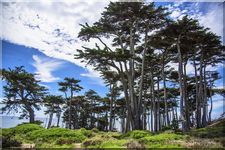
[70, 85]
[126, 28]
[52, 103]
[22, 92]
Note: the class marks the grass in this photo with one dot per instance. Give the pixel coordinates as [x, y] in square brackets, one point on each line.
[209, 137]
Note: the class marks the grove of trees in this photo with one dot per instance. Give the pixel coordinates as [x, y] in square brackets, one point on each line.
[143, 56]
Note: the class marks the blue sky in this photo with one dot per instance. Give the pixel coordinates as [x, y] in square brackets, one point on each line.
[17, 55]
[42, 37]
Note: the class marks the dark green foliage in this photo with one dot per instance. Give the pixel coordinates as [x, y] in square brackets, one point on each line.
[8, 131]
[135, 144]
[66, 140]
[212, 131]
[8, 138]
[162, 137]
[9, 141]
[95, 130]
[85, 132]
[54, 133]
[25, 128]
[137, 134]
[22, 92]
[93, 142]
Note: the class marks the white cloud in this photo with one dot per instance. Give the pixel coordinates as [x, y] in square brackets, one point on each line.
[218, 105]
[51, 28]
[44, 68]
[213, 19]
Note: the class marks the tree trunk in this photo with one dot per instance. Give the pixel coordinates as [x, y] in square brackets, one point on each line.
[30, 111]
[201, 93]
[31, 115]
[111, 107]
[167, 122]
[198, 111]
[70, 107]
[50, 120]
[180, 73]
[58, 118]
[187, 115]
[204, 116]
[158, 104]
[141, 83]
[136, 117]
[154, 103]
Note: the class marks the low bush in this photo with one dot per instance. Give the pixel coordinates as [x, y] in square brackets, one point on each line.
[113, 144]
[135, 144]
[9, 141]
[160, 140]
[54, 133]
[63, 140]
[25, 128]
[94, 142]
[109, 135]
[8, 132]
[85, 132]
[137, 134]
[210, 132]
[95, 130]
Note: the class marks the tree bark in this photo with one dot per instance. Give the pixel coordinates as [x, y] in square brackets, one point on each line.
[141, 82]
[58, 118]
[187, 115]
[111, 106]
[50, 120]
[70, 107]
[180, 73]
[211, 103]
[198, 111]
[204, 116]
[201, 93]
[31, 115]
[167, 122]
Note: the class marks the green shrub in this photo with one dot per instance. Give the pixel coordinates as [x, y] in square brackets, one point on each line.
[134, 144]
[95, 130]
[109, 135]
[162, 137]
[137, 134]
[163, 145]
[53, 145]
[113, 143]
[25, 128]
[8, 138]
[63, 140]
[209, 132]
[113, 135]
[93, 142]
[8, 132]
[54, 133]
[9, 141]
[85, 132]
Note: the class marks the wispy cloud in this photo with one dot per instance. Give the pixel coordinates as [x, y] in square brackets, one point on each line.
[45, 67]
[218, 105]
[212, 17]
[50, 27]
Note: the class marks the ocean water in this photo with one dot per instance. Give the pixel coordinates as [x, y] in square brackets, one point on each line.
[12, 121]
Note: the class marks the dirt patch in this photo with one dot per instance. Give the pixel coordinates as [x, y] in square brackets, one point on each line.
[77, 145]
[27, 146]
